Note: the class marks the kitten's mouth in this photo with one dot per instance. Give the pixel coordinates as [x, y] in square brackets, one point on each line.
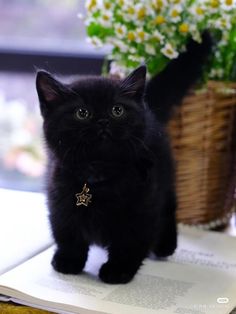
[104, 134]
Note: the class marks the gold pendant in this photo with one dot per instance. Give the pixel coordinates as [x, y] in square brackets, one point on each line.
[83, 198]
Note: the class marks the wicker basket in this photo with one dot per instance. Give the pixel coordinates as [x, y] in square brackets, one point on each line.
[203, 137]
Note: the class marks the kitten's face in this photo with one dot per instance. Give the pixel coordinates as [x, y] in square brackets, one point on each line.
[94, 118]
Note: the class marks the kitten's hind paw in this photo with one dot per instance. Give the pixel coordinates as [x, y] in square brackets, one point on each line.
[113, 274]
[67, 264]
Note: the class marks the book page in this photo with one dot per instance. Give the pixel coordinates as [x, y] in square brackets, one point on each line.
[181, 285]
[24, 227]
[211, 249]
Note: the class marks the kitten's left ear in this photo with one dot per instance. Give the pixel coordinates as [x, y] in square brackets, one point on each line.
[134, 84]
[50, 91]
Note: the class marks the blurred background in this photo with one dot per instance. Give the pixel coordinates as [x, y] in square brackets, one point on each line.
[35, 34]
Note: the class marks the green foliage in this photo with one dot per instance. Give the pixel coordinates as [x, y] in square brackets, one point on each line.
[156, 31]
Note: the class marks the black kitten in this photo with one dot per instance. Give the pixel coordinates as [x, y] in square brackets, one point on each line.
[110, 169]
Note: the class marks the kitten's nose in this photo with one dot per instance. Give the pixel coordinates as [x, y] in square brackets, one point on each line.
[103, 122]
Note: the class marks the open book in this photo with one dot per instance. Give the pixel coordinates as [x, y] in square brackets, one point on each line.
[200, 278]
[24, 227]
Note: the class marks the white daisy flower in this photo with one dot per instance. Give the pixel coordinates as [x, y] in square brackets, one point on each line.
[117, 70]
[90, 20]
[129, 12]
[198, 12]
[159, 20]
[91, 5]
[121, 2]
[196, 35]
[213, 6]
[150, 49]
[169, 51]
[158, 36]
[223, 22]
[184, 28]
[126, 4]
[175, 13]
[132, 50]
[136, 58]
[105, 18]
[107, 5]
[120, 45]
[228, 5]
[95, 41]
[131, 36]
[216, 73]
[141, 35]
[120, 30]
[140, 11]
[159, 4]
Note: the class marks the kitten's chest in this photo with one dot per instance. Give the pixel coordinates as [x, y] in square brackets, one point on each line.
[103, 192]
[101, 189]
[98, 172]
[107, 178]
[97, 207]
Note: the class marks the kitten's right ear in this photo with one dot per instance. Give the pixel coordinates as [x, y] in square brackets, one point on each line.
[133, 85]
[50, 91]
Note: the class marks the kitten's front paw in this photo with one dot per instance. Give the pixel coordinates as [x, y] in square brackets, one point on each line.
[67, 264]
[113, 274]
[165, 249]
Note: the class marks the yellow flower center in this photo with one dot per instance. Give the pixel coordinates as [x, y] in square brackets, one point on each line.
[199, 11]
[158, 3]
[141, 34]
[228, 2]
[131, 36]
[184, 28]
[159, 20]
[215, 3]
[106, 17]
[169, 51]
[120, 31]
[141, 13]
[223, 23]
[92, 4]
[175, 13]
[107, 5]
[121, 2]
[131, 10]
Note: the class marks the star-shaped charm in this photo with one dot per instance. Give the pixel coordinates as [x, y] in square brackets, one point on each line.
[83, 198]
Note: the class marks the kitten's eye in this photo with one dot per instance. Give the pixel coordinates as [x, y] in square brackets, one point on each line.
[82, 114]
[118, 111]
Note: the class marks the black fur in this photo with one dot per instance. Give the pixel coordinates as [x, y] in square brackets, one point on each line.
[170, 86]
[126, 162]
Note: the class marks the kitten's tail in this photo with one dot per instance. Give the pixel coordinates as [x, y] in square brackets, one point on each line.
[168, 88]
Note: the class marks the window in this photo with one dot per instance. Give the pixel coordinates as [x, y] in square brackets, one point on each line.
[35, 34]
[41, 24]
